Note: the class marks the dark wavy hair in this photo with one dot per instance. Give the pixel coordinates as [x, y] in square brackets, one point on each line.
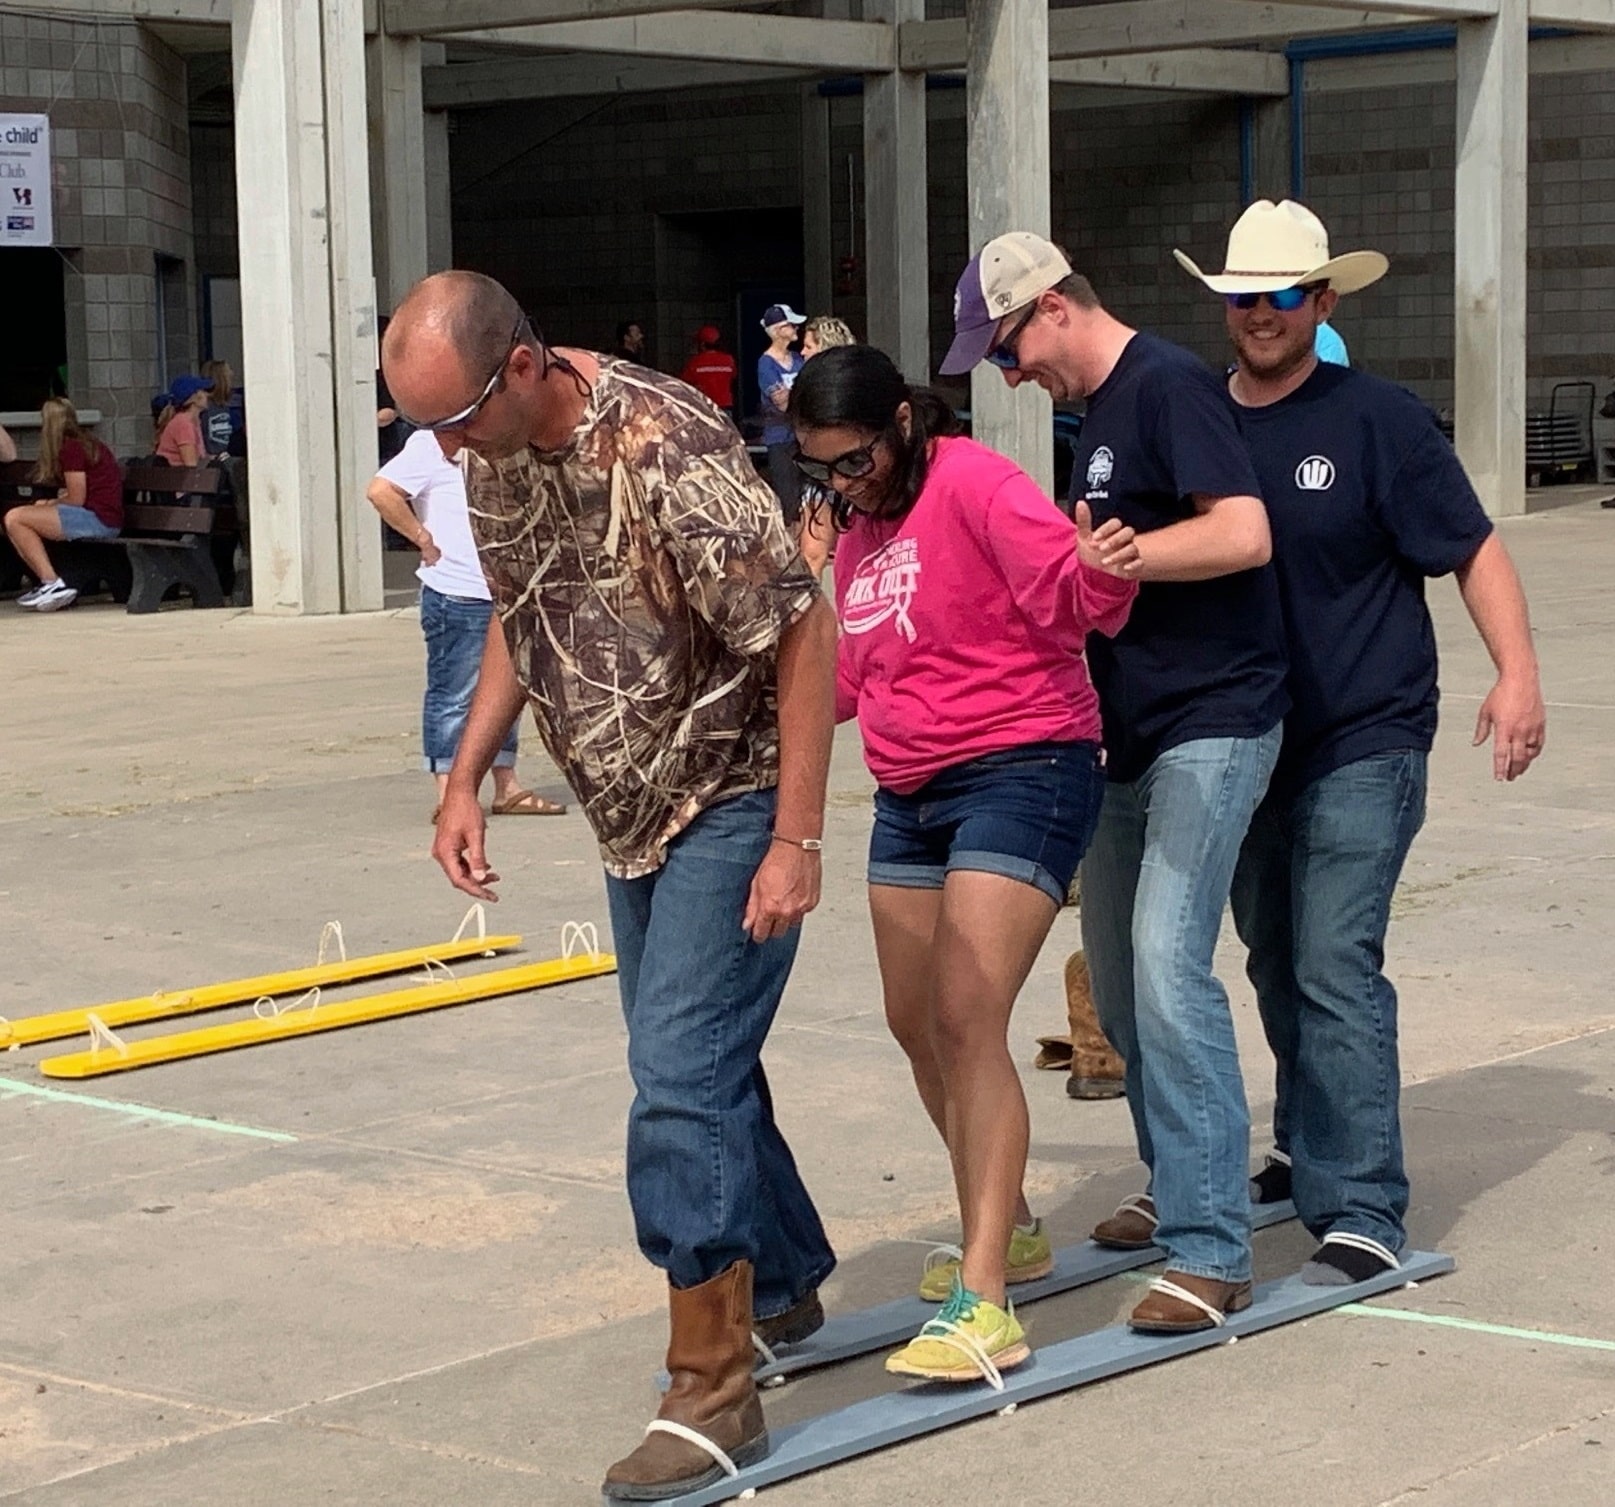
[860, 387]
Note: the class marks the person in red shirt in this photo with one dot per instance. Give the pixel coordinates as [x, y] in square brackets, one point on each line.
[88, 502]
[711, 371]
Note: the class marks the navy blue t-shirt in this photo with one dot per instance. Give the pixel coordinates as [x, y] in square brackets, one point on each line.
[1366, 499]
[772, 374]
[1197, 659]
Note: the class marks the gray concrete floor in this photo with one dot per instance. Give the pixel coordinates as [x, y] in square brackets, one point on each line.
[430, 1293]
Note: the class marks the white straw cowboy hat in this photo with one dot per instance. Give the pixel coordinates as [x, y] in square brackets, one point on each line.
[1275, 246]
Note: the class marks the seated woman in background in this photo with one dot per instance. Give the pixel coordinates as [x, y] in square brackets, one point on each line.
[219, 417]
[179, 426]
[88, 503]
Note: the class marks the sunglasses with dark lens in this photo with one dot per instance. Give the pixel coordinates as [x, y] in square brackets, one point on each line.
[1285, 300]
[1003, 355]
[471, 410]
[850, 465]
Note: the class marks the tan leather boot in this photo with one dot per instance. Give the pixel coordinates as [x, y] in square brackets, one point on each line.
[1096, 1071]
[711, 1395]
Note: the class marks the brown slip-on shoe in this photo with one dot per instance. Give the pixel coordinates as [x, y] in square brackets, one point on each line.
[1130, 1228]
[710, 1419]
[805, 1317]
[1180, 1304]
[1097, 1072]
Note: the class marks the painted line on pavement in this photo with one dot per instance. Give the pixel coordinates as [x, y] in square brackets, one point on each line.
[1475, 1326]
[142, 1111]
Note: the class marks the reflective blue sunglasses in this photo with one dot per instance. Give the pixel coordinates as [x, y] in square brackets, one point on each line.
[1003, 355]
[1285, 300]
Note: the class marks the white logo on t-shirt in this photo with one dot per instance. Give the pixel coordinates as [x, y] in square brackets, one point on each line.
[1315, 474]
[883, 587]
[1101, 466]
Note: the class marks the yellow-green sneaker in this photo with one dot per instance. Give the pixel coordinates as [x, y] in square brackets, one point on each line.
[1030, 1257]
[970, 1339]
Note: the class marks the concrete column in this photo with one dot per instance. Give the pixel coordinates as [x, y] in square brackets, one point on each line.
[398, 201]
[439, 200]
[1272, 122]
[307, 304]
[1489, 215]
[1007, 120]
[818, 250]
[896, 229]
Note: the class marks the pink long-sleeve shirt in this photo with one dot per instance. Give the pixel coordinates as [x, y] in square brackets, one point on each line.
[963, 622]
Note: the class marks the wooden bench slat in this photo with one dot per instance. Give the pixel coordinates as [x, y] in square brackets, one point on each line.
[153, 518]
[173, 479]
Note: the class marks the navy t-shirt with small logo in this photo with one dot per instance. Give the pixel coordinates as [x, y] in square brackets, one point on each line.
[1197, 659]
[1366, 498]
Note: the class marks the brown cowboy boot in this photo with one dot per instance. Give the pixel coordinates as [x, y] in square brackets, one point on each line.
[1096, 1071]
[710, 1396]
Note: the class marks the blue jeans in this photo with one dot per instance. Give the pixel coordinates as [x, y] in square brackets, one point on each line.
[456, 629]
[1154, 884]
[710, 1178]
[1312, 899]
[1026, 813]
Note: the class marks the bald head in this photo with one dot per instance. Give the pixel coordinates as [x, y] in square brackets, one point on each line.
[463, 313]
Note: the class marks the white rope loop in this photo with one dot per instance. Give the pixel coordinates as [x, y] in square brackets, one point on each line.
[331, 932]
[265, 1008]
[102, 1036]
[578, 936]
[479, 912]
[761, 1346]
[700, 1441]
[1140, 1204]
[443, 968]
[945, 1332]
[1183, 1295]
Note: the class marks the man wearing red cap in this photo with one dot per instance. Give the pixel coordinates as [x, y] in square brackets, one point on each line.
[711, 371]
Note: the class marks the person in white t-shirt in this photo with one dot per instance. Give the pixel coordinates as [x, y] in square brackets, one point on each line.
[421, 494]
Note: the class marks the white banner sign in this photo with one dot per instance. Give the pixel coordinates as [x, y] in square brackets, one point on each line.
[25, 180]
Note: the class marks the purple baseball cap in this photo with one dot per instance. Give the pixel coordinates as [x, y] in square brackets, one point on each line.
[1008, 273]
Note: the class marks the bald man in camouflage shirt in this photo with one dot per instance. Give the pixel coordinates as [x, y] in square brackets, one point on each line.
[679, 661]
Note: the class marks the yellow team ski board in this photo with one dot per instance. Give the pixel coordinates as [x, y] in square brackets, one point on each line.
[162, 1006]
[298, 1020]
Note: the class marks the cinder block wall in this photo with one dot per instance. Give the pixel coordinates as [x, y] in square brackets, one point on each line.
[122, 196]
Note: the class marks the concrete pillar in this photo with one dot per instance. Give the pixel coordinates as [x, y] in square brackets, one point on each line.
[1489, 215]
[818, 250]
[1272, 132]
[439, 200]
[398, 204]
[896, 229]
[1007, 120]
[307, 304]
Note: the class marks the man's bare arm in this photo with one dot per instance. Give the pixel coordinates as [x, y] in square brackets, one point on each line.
[1514, 709]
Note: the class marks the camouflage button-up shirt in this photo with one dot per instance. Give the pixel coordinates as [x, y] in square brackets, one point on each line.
[643, 576]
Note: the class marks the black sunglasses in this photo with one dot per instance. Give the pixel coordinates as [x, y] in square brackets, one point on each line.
[1285, 300]
[1003, 355]
[493, 384]
[849, 465]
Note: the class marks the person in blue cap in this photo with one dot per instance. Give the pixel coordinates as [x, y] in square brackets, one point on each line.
[776, 371]
[179, 437]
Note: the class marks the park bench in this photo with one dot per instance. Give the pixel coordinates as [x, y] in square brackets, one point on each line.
[174, 534]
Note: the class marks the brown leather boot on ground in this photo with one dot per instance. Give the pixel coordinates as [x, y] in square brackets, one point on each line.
[1096, 1071]
[1180, 1304]
[710, 1397]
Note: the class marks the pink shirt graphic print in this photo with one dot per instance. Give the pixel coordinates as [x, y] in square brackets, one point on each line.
[963, 622]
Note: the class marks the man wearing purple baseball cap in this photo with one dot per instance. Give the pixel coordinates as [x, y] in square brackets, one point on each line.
[1192, 696]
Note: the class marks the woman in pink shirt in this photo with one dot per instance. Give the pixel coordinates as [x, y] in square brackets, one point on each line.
[179, 439]
[964, 598]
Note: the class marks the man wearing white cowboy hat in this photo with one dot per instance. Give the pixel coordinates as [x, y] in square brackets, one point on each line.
[1191, 694]
[1366, 498]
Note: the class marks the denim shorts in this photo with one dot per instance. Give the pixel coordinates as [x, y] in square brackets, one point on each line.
[1027, 813]
[456, 630]
[81, 523]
